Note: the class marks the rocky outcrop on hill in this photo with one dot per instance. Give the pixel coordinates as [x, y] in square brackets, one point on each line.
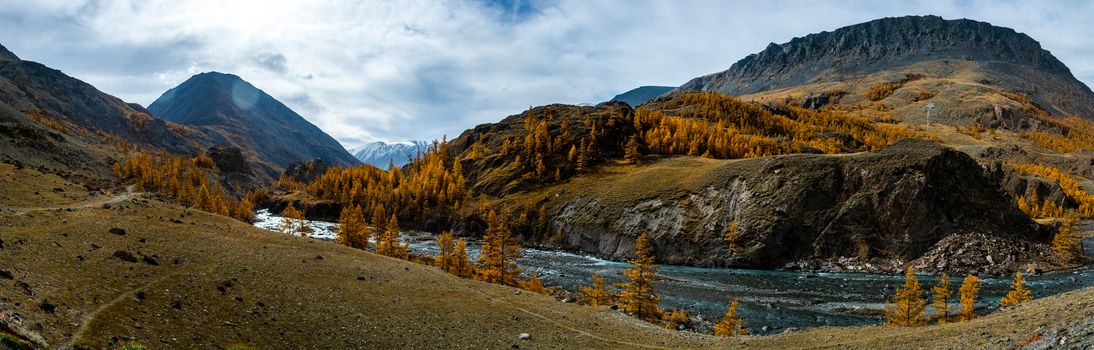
[893, 205]
[306, 171]
[497, 173]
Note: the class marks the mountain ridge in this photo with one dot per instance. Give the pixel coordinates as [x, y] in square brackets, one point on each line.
[384, 153]
[641, 94]
[999, 57]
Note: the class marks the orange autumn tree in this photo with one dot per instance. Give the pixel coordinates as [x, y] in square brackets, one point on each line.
[499, 253]
[597, 294]
[1066, 243]
[637, 296]
[969, 289]
[908, 305]
[292, 221]
[447, 247]
[453, 257]
[388, 243]
[731, 324]
[463, 266]
[533, 284]
[1018, 292]
[352, 230]
[941, 301]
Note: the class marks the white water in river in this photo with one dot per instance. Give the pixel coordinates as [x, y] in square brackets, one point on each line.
[776, 299]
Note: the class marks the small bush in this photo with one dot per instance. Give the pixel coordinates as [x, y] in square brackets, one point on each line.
[880, 91]
[134, 346]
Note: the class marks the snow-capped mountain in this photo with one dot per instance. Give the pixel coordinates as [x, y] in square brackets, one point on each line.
[383, 153]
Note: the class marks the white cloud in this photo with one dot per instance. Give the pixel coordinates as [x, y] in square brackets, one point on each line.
[420, 69]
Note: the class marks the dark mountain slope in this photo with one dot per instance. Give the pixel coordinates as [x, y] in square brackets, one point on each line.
[957, 61]
[6, 55]
[237, 113]
[30, 86]
[641, 94]
[59, 124]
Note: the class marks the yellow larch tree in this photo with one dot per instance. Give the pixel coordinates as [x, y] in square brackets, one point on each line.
[908, 305]
[1066, 244]
[445, 259]
[292, 221]
[533, 284]
[637, 296]
[970, 287]
[731, 324]
[1018, 292]
[631, 153]
[597, 294]
[461, 263]
[388, 243]
[378, 220]
[941, 294]
[352, 230]
[499, 253]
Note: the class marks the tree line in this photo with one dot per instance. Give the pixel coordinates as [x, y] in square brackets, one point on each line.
[185, 180]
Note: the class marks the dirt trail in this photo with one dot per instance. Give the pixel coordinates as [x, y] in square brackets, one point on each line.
[98, 202]
[126, 294]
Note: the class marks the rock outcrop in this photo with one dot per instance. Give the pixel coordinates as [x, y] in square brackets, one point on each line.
[229, 159]
[893, 205]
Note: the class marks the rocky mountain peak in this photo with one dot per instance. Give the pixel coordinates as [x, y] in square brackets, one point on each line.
[6, 55]
[246, 117]
[875, 45]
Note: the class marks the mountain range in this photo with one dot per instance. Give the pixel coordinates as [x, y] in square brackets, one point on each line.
[385, 153]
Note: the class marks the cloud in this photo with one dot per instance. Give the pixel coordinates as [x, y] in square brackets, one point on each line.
[419, 70]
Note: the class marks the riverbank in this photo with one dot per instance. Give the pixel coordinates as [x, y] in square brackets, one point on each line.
[771, 301]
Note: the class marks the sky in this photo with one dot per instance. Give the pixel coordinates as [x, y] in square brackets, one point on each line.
[399, 70]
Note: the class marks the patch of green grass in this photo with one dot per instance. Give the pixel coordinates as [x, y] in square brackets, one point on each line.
[11, 342]
[134, 346]
[240, 347]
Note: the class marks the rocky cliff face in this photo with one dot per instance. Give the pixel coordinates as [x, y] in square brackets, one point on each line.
[883, 208]
[1000, 57]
